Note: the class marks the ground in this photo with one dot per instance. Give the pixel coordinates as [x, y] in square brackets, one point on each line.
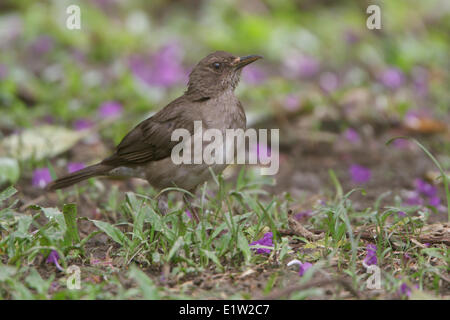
[345, 209]
[302, 182]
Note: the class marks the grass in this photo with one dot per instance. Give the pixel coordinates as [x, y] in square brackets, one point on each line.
[161, 253]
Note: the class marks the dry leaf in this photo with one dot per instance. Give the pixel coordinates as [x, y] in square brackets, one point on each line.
[40, 142]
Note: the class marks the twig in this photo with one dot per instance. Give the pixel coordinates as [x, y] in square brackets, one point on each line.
[300, 230]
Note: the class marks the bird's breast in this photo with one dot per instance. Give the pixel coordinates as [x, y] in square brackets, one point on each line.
[223, 112]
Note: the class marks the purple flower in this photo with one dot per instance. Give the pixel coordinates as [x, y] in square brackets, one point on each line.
[424, 192]
[82, 124]
[434, 201]
[110, 109]
[425, 188]
[266, 240]
[308, 66]
[328, 82]
[162, 69]
[427, 244]
[352, 135]
[42, 45]
[41, 177]
[291, 102]
[407, 256]
[359, 174]
[303, 214]
[303, 266]
[168, 68]
[254, 75]
[371, 257]
[297, 65]
[405, 290]
[188, 213]
[392, 78]
[75, 166]
[401, 214]
[53, 257]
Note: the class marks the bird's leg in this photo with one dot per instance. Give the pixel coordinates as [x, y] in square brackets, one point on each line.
[163, 205]
[191, 208]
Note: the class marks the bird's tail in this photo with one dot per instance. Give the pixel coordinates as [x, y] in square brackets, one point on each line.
[83, 174]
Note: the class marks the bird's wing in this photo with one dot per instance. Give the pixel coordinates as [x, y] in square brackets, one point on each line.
[151, 139]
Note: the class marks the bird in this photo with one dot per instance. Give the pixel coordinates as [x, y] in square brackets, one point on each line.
[145, 152]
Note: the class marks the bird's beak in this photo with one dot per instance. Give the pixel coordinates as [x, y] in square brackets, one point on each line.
[241, 62]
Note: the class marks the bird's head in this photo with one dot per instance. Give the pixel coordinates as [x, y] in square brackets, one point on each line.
[216, 73]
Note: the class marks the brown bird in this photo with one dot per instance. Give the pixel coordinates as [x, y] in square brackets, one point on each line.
[145, 152]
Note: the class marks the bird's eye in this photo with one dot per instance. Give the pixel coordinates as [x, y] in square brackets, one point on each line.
[216, 65]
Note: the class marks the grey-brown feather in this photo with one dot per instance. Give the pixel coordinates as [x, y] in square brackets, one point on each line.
[151, 139]
[145, 151]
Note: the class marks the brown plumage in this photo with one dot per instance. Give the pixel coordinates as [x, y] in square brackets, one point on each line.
[145, 151]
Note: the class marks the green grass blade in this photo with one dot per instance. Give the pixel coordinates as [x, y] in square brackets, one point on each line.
[70, 217]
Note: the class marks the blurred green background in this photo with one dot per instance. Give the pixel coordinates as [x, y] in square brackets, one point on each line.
[137, 54]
